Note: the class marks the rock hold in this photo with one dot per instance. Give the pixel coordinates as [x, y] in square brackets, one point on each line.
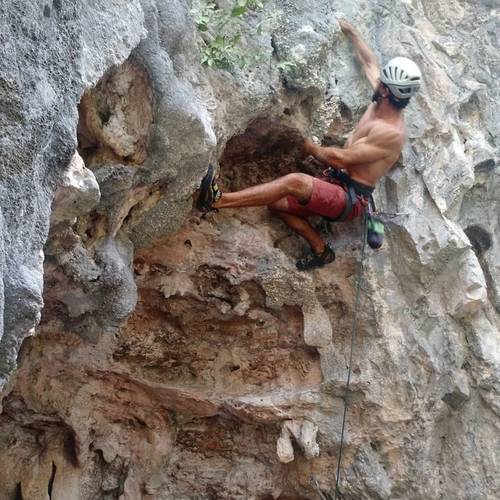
[77, 194]
[303, 433]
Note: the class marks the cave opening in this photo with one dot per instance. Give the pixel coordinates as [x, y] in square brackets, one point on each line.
[267, 149]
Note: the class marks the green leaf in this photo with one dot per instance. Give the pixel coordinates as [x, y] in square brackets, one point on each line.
[219, 41]
[238, 11]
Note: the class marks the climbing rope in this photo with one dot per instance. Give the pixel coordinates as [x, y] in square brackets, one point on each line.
[338, 494]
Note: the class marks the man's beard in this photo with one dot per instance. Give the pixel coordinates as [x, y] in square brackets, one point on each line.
[377, 97]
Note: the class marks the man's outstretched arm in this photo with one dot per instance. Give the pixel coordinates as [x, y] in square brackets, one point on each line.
[377, 145]
[366, 57]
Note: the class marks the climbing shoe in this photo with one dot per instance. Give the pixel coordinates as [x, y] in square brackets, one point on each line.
[209, 191]
[314, 260]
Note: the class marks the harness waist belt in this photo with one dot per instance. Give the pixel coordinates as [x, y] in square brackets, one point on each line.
[359, 188]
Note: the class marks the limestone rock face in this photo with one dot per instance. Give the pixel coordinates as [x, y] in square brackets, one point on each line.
[50, 52]
[178, 357]
[77, 194]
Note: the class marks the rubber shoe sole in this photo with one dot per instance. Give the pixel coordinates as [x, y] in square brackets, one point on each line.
[313, 260]
[206, 197]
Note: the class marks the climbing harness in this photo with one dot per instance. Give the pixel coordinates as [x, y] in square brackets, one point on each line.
[354, 190]
[338, 494]
[335, 174]
[375, 225]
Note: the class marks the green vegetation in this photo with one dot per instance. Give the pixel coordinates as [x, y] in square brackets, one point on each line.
[223, 30]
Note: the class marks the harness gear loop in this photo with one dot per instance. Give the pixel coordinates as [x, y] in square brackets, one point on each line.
[338, 494]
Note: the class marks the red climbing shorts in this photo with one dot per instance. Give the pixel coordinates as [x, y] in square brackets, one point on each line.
[328, 200]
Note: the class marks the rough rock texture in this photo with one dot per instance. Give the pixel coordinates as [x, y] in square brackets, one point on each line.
[50, 52]
[181, 357]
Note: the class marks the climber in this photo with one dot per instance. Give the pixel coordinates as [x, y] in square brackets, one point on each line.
[343, 192]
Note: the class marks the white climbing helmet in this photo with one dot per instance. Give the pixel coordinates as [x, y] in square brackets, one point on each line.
[402, 76]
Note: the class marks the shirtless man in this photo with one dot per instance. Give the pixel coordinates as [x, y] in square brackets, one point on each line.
[370, 152]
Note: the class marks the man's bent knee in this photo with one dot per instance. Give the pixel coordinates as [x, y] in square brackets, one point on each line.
[279, 205]
[297, 180]
[299, 185]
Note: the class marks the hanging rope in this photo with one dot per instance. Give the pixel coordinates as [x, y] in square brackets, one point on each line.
[338, 494]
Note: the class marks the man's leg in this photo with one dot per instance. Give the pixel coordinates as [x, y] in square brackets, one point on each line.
[298, 185]
[274, 194]
[299, 225]
[322, 254]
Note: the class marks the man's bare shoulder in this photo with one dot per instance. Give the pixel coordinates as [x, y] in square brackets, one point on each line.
[386, 133]
[379, 132]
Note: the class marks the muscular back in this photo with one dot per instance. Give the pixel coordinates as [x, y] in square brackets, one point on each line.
[383, 137]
